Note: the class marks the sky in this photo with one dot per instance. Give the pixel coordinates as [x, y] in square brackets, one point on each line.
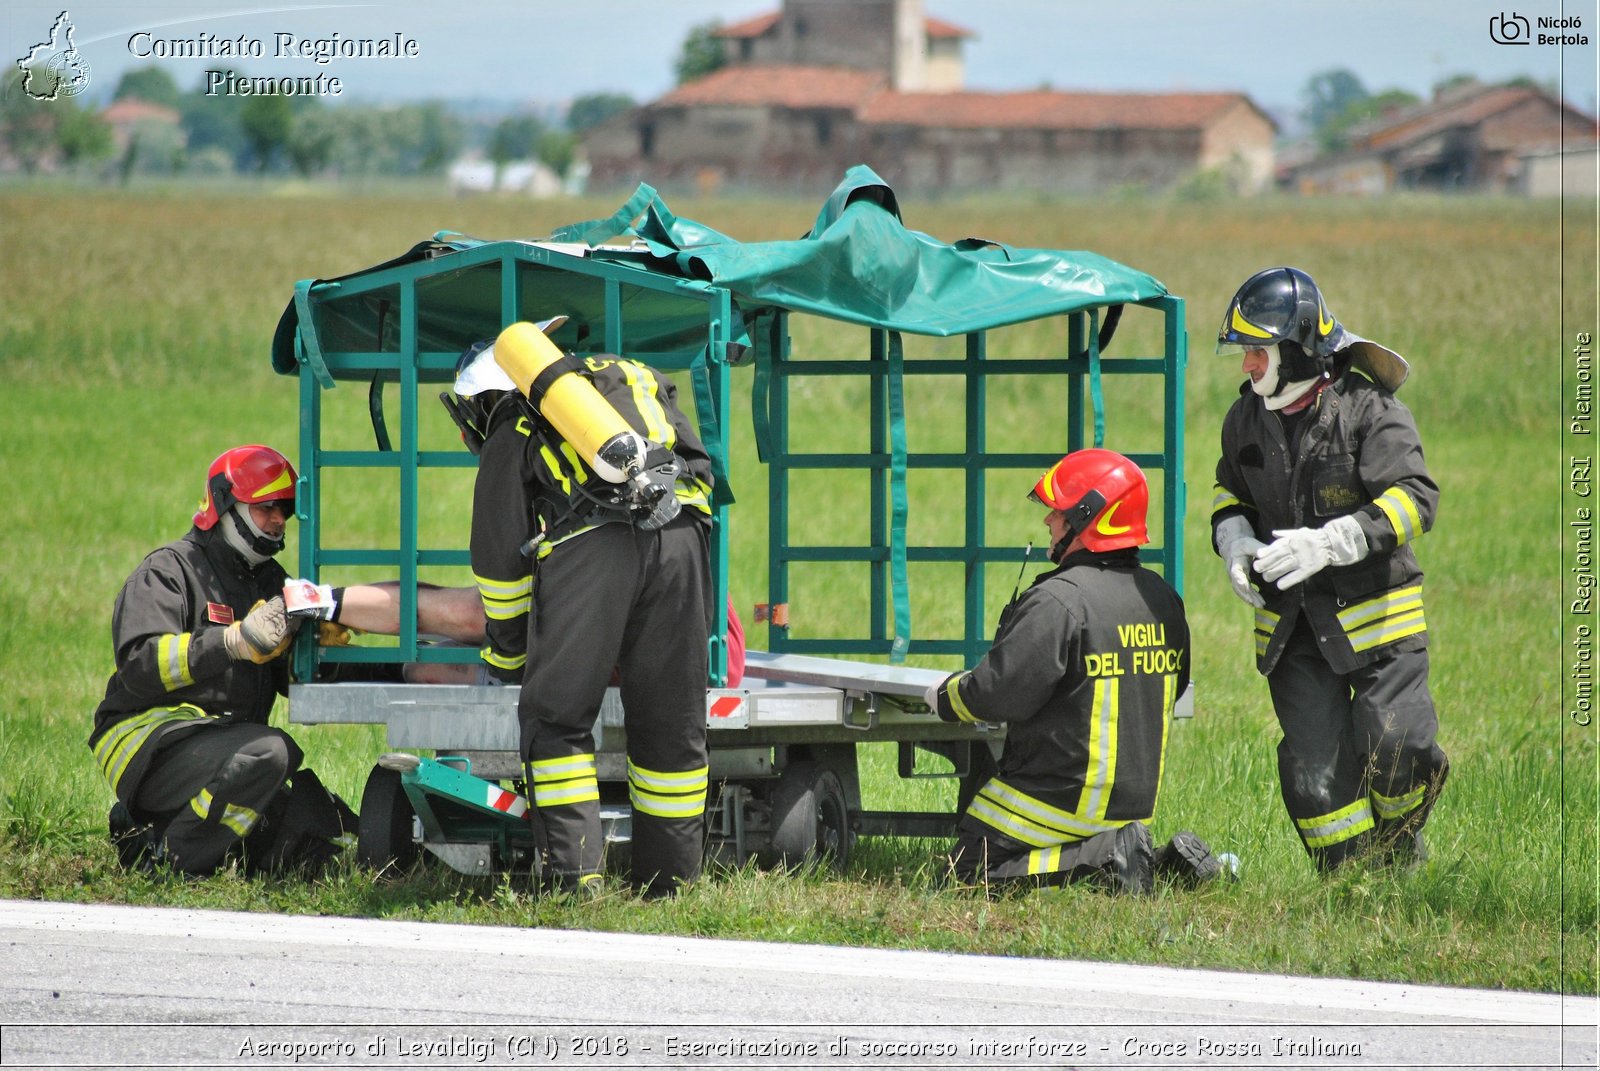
[552, 50]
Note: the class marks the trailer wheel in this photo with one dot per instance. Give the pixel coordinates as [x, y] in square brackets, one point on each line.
[810, 819]
[384, 841]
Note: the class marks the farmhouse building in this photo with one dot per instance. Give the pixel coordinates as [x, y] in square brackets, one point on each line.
[1471, 137]
[822, 84]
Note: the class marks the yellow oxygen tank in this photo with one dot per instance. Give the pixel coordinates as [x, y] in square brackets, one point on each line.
[579, 412]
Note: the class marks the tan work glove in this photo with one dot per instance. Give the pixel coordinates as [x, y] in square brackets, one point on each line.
[333, 634]
[263, 635]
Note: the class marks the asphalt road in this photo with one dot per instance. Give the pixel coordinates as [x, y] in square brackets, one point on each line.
[109, 986]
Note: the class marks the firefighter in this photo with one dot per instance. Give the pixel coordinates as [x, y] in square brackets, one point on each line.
[578, 576]
[1321, 489]
[1084, 671]
[199, 633]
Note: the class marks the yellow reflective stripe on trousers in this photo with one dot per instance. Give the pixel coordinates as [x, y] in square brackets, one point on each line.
[1101, 771]
[1031, 821]
[239, 819]
[1389, 617]
[1266, 625]
[124, 739]
[668, 795]
[505, 599]
[172, 656]
[1222, 498]
[1401, 510]
[1328, 829]
[1391, 807]
[564, 781]
[952, 689]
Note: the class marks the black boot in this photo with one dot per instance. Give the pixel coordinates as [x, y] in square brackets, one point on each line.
[135, 842]
[1132, 861]
[1187, 859]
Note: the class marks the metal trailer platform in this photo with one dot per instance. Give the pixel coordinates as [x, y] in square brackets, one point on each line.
[782, 763]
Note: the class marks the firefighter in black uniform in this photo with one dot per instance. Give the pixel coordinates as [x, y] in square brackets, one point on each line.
[199, 631]
[1321, 489]
[1084, 671]
[580, 576]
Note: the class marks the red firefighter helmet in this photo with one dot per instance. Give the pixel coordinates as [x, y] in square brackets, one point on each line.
[1104, 496]
[245, 474]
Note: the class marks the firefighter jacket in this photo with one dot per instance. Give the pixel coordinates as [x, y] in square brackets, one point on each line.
[166, 632]
[534, 493]
[1084, 671]
[1354, 452]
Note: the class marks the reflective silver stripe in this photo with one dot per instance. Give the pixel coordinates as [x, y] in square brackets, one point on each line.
[668, 795]
[564, 781]
[172, 657]
[1401, 510]
[241, 820]
[1222, 498]
[952, 689]
[123, 740]
[1266, 625]
[1044, 860]
[1341, 825]
[1389, 807]
[504, 600]
[1389, 617]
[1101, 769]
[499, 661]
[1029, 820]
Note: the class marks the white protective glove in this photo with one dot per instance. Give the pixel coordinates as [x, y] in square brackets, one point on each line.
[1237, 543]
[1298, 554]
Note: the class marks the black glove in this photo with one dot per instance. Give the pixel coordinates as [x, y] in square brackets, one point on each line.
[505, 674]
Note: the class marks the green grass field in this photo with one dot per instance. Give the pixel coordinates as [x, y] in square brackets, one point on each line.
[135, 345]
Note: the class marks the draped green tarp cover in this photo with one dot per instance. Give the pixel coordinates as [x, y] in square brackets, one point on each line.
[860, 264]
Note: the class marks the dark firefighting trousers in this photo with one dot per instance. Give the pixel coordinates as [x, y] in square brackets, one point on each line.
[638, 601]
[211, 783]
[1358, 763]
[978, 859]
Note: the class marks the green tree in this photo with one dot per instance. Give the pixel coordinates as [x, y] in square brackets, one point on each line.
[515, 137]
[82, 136]
[592, 109]
[212, 125]
[152, 84]
[1327, 95]
[439, 137]
[27, 126]
[1335, 133]
[267, 122]
[556, 149]
[311, 141]
[701, 52]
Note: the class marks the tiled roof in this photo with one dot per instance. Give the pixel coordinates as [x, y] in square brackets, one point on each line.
[760, 24]
[134, 110]
[940, 28]
[1046, 109]
[783, 86]
[754, 27]
[1424, 120]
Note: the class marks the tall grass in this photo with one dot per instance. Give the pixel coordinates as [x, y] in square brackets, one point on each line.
[134, 345]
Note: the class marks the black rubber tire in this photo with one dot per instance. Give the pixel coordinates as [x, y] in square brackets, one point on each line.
[810, 819]
[384, 842]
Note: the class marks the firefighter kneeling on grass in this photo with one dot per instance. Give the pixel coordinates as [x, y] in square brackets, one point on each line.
[199, 633]
[1084, 671]
[590, 521]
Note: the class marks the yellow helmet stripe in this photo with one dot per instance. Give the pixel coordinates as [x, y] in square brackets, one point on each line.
[1239, 324]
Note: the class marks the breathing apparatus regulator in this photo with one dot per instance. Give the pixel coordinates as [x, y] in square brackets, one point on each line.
[639, 474]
